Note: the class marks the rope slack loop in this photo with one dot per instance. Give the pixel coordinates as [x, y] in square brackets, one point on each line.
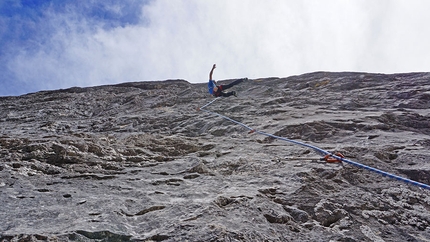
[329, 157]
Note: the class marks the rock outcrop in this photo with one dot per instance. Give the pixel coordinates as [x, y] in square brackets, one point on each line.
[139, 162]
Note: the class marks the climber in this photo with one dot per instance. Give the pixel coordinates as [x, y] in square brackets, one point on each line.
[217, 91]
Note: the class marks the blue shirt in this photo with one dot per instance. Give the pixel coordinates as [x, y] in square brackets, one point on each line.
[211, 86]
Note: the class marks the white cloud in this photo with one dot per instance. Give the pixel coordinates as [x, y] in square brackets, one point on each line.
[253, 38]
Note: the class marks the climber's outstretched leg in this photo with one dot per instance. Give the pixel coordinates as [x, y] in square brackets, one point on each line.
[224, 87]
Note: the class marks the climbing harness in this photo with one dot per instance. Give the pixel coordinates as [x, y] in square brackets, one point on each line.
[328, 156]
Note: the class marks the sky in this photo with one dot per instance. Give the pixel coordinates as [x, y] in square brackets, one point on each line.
[57, 44]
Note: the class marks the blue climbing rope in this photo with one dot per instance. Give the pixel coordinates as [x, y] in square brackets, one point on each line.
[324, 152]
[209, 103]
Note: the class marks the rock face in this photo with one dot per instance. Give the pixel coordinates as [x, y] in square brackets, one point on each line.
[138, 161]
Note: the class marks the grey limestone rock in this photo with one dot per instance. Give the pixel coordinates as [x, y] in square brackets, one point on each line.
[139, 161]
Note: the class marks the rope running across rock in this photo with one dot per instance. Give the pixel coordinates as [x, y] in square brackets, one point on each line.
[323, 152]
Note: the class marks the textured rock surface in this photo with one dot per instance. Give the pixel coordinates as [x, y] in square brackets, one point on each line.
[137, 161]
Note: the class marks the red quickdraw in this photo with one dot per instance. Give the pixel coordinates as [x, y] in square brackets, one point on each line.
[330, 159]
